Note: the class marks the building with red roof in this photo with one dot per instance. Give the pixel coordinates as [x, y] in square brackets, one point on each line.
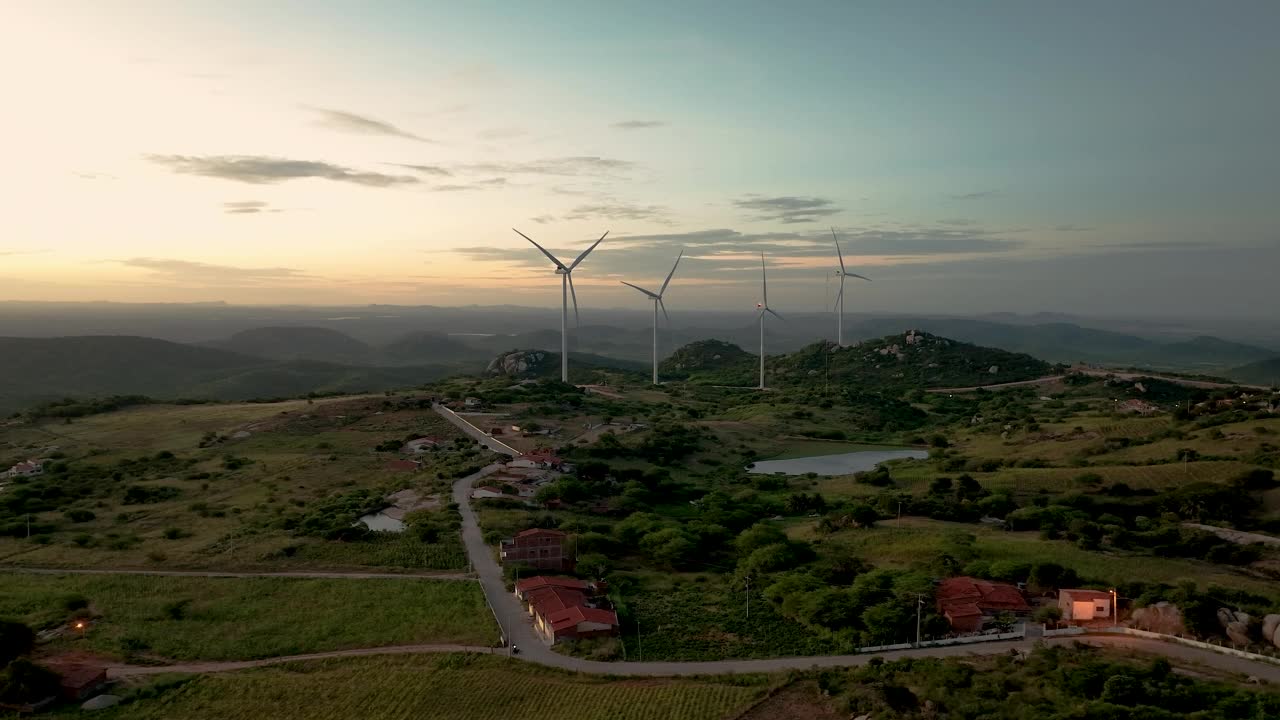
[562, 608]
[543, 458]
[541, 548]
[966, 602]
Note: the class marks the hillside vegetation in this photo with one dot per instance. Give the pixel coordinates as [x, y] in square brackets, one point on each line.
[39, 370]
[1265, 372]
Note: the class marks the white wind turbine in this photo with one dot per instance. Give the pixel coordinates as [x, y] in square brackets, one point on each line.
[657, 303]
[840, 297]
[566, 288]
[764, 308]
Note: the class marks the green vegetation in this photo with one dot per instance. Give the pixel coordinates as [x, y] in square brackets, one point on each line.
[450, 687]
[1055, 682]
[1262, 372]
[182, 618]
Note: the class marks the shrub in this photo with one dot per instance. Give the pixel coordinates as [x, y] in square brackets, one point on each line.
[79, 516]
[16, 640]
[25, 682]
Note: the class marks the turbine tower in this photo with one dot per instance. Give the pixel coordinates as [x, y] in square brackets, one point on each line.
[840, 297]
[764, 308]
[657, 303]
[566, 288]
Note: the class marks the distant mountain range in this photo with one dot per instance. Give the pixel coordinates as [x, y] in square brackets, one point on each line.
[1263, 372]
[37, 370]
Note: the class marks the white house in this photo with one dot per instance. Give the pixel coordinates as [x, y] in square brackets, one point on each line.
[487, 492]
[27, 468]
[1081, 605]
[472, 402]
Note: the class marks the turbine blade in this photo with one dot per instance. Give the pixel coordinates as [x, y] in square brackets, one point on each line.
[764, 282]
[577, 322]
[673, 272]
[587, 252]
[550, 257]
[646, 292]
[772, 312]
[860, 277]
[840, 294]
[664, 311]
[838, 253]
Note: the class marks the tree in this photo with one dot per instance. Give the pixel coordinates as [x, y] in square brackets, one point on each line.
[16, 640]
[1122, 690]
[1049, 615]
[940, 486]
[758, 536]
[1003, 621]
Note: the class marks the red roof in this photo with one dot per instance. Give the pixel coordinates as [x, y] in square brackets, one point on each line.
[548, 600]
[532, 532]
[1086, 594]
[542, 455]
[955, 593]
[571, 616]
[541, 581]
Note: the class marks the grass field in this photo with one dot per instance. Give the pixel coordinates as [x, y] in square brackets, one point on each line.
[228, 514]
[450, 687]
[920, 539]
[238, 619]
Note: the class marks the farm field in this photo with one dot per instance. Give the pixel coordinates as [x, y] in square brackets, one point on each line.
[181, 618]
[449, 687]
[226, 486]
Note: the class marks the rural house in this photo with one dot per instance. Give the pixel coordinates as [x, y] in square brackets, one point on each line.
[542, 458]
[540, 548]
[562, 608]
[488, 492]
[1085, 605]
[27, 468]
[967, 602]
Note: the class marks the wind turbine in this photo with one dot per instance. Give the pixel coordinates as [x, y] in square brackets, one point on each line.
[657, 303]
[566, 288]
[764, 308]
[840, 297]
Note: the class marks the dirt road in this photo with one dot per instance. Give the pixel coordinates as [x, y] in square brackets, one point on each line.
[229, 574]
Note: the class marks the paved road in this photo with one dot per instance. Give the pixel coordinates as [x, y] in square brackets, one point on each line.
[226, 574]
[1178, 653]
[1096, 372]
[997, 386]
[476, 433]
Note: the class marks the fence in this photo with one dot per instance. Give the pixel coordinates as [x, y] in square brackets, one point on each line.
[1018, 634]
[1194, 643]
[479, 435]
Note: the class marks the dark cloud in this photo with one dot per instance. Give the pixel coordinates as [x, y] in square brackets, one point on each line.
[638, 124]
[359, 124]
[1072, 228]
[975, 195]
[787, 209]
[424, 169]
[452, 188]
[618, 211]
[198, 273]
[247, 207]
[570, 165]
[260, 170]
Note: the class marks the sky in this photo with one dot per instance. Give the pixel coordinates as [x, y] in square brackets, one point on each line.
[1087, 157]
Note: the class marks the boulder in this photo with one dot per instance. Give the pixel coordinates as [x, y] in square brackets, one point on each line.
[1243, 617]
[1238, 633]
[1225, 617]
[101, 702]
[1162, 617]
[1271, 629]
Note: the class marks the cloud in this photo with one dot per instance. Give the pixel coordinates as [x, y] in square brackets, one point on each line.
[569, 165]
[452, 188]
[787, 209]
[501, 133]
[1072, 228]
[425, 169]
[198, 273]
[361, 125]
[247, 207]
[13, 253]
[542, 219]
[975, 195]
[489, 184]
[957, 222]
[618, 211]
[638, 124]
[95, 176]
[260, 170]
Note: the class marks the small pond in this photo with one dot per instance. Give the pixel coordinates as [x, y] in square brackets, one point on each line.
[382, 522]
[842, 464]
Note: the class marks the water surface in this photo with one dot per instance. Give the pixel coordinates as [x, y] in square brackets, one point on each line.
[842, 464]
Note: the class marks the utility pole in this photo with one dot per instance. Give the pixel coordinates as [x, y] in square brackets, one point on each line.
[748, 597]
[899, 514]
[919, 608]
[639, 642]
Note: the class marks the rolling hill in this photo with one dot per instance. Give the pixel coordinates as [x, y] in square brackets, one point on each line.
[38, 370]
[912, 358]
[294, 343]
[1263, 372]
[584, 368]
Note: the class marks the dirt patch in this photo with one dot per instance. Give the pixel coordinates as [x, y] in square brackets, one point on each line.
[801, 700]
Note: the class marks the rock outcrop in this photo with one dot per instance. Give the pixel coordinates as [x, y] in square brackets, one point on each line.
[517, 362]
[1271, 629]
[1162, 617]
